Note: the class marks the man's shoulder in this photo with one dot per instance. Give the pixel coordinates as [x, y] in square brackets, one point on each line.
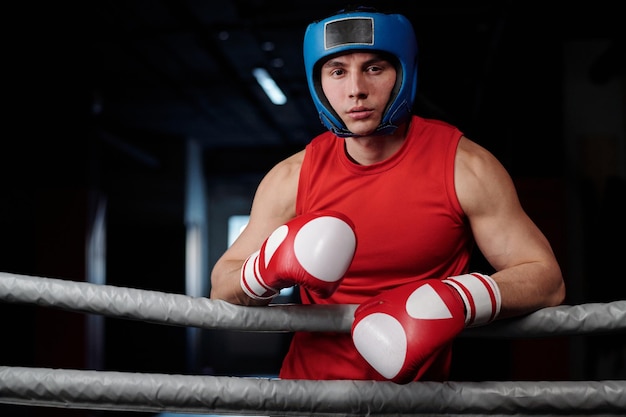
[291, 163]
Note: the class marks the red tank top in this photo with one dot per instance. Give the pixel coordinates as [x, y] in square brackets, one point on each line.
[409, 226]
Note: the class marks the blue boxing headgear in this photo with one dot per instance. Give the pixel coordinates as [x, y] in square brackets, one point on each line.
[363, 30]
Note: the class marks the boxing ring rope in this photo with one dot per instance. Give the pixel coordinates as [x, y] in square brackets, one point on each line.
[250, 396]
[247, 396]
[182, 310]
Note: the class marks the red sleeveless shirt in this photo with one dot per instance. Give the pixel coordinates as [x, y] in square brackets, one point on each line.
[409, 226]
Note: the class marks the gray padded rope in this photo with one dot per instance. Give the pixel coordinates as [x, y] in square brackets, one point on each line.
[182, 310]
[120, 391]
[251, 396]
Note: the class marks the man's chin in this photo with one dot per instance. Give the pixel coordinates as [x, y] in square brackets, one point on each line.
[362, 129]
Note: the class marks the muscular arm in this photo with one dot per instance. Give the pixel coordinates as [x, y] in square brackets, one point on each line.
[274, 204]
[527, 271]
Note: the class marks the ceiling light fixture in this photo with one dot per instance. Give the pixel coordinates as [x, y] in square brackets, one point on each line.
[270, 87]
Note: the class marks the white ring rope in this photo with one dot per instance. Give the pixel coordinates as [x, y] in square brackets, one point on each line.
[106, 390]
[245, 396]
[182, 310]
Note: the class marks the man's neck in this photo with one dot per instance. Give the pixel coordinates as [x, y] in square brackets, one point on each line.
[368, 150]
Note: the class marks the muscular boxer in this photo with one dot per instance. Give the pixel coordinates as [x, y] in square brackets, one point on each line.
[421, 197]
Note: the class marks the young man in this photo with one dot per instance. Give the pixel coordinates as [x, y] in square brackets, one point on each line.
[383, 211]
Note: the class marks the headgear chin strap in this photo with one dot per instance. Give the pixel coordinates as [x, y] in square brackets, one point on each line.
[363, 30]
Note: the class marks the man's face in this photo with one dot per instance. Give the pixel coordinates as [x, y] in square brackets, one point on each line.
[358, 86]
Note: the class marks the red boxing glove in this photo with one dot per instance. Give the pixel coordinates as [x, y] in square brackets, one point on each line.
[313, 250]
[398, 330]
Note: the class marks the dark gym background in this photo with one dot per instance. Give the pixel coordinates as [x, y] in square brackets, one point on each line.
[145, 115]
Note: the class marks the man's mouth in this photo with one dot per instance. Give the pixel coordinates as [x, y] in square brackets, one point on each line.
[359, 113]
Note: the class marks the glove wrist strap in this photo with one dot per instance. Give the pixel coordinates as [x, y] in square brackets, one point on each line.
[481, 297]
[252, 282]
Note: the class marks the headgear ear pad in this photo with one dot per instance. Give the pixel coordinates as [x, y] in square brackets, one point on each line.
[363, 30]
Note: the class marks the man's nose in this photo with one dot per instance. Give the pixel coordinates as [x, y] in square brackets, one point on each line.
[358, 86]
